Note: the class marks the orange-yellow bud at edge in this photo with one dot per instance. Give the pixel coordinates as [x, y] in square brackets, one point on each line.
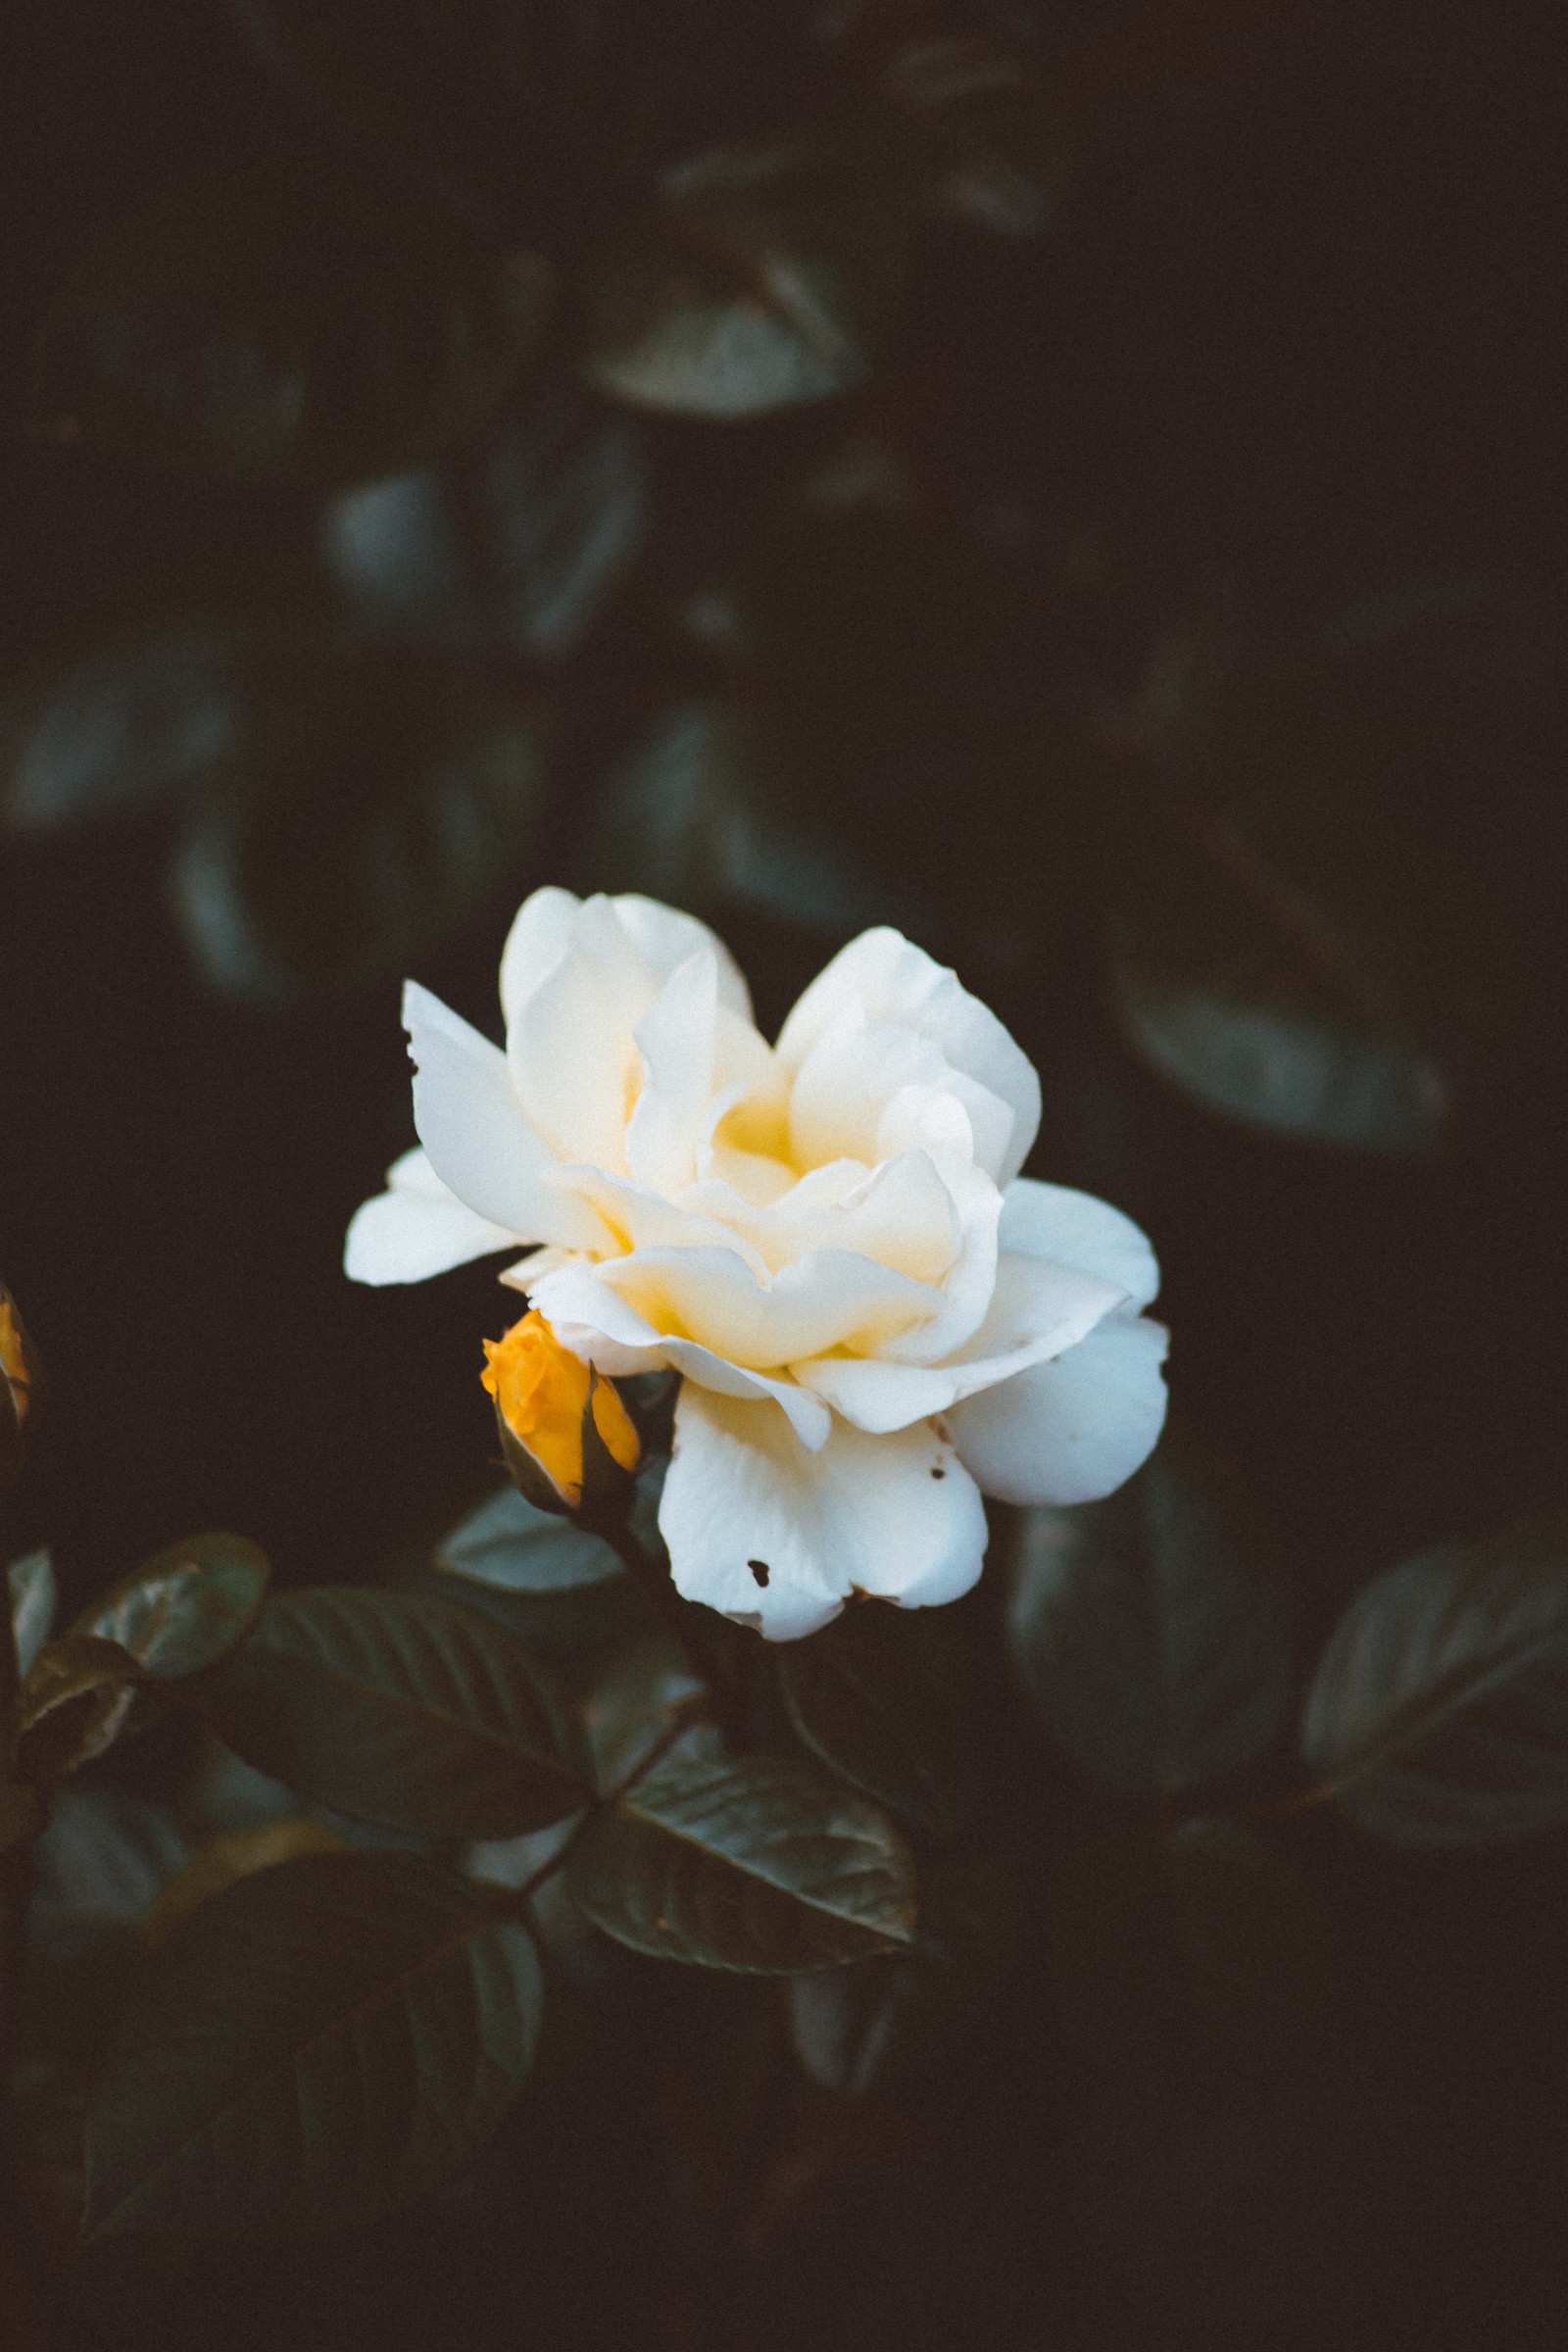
[541, 1390]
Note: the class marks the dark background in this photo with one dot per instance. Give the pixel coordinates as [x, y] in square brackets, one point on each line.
[1282, 370]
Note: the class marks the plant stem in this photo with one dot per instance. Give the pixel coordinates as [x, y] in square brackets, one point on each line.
[682, 1620]
[680, 1721]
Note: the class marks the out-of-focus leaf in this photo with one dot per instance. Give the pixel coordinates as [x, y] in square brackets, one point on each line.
[1439, 1712]
[222, 1860]
[104, 1859]
[631, 1704]
[506, 1543]
[875, 2026]
[120, 733]
[303, 323]
[320, 2043]
[757, 1865]
[697, 817]
[399, 1709]
[382, 799]
[1150, 1628]
[74, 1704]
[516, 543]
[873, 1695]
[997, 153]
[31, 1585]
[763, 286]
[187, 1608]
[1258, 993]
[1300, 941]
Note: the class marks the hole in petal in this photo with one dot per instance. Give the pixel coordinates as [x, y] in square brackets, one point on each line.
[759, 1570]
[938, 1471]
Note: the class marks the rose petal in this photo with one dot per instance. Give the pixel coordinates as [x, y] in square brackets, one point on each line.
[606, 1331]
[1037, 1311]
[778, 1538]
[675, 1041]
[828, 1299]
[890, 980]
[474, 1132]
[1073, 1430]
[857, 1068]
[416, 1228]
[1050, 1220]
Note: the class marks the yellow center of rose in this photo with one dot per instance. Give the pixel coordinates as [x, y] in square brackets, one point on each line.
[541, 1389]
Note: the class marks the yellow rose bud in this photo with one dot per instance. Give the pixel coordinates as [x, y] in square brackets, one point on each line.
[13, 1362]
[541, 1392]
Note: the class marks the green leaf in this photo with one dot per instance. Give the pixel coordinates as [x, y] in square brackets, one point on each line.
[509, 1543]
[321, 2043]
[631, 1704]
[380, 799]
[402, 1710]
[221, 1861]
[885, 2022]
[1439, 1712]
[1150, 1632]
[187, 1608]
[31, 1582]
[22, 1815]
[760, 287]
[873, 1694]
[757, 1865]
[74, 1703]
[277, 318]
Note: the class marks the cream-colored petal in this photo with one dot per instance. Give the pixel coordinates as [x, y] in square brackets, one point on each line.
[677, 1042]
[828, 1299]
[902, 1215]
[891, 981]
[540, 936]
[665, 938]
[477, 1138]
[857, 1068]
[1073, 1430]
[1037, 1311]
[607, 1330]
[1050, 1220]
[572, 1046]
[779, 1538]
[416, 1228]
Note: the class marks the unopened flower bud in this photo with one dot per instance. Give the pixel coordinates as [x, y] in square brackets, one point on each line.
[569, 1440]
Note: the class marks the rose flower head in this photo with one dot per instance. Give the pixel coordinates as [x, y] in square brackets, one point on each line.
[542, 1393]
[875, 1317]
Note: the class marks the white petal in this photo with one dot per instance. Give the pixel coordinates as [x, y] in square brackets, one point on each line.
[677, 1042]
[896, 1516]
[540, 934]
[828, 1299]
[1073, 1430]
[892, 981]
[473, 1129]
[857, 1068]
[571, 1046]
[545, 925]
[589, 1318]
[1037, 1311]
[902, 1215]
[664, 937]
[1050, 1220]
[416, 1228]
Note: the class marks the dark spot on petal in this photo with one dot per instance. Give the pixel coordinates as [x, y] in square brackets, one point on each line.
[761, 1570]
[939, 1472]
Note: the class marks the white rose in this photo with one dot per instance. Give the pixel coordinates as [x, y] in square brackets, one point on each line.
[876, 1317]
